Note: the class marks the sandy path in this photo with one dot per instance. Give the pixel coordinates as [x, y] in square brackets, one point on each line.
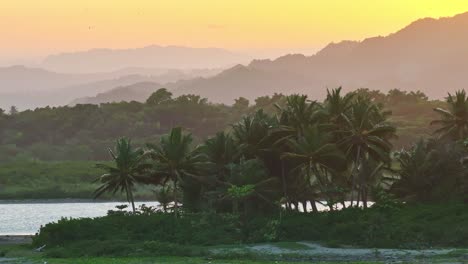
[316, 252]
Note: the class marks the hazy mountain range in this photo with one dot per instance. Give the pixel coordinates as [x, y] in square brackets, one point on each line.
[169, 57]
[134, 92]
[27, 87]
[430, 55]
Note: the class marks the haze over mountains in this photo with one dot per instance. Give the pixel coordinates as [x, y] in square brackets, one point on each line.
[430, 55]
[61, 78]
[28, 88]
[169, 57]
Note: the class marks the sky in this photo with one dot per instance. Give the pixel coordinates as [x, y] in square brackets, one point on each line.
[32, 28]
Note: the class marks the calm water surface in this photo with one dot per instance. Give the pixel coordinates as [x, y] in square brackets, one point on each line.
[26, 218]
[21, 218]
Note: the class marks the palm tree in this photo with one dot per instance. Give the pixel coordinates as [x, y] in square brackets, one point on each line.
[454, 121]
[249, 134]
[299, 113]
[371, 177]
[430, 171]
[174, 160]
[128, 171]
[366, 134]
[220, 150]
[336, 106]
[318, 158]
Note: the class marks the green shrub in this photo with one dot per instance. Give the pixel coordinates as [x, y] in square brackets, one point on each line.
[408, 226]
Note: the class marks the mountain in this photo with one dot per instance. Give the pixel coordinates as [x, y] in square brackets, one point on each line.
[429, 54]
[28, 88]
[135, 92]
[64, 95]
[105, 60]
[25, 79]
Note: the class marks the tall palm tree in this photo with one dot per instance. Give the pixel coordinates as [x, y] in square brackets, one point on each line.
[454, 121]
[366, 134]
[128, 171]
[318, 157]
[174, 160]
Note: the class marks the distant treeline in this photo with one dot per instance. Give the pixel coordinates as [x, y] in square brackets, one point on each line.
[83, 132]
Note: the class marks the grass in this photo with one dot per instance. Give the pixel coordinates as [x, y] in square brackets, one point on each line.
[28, 179]
[164, 260]
[456, 253]
[25, 254]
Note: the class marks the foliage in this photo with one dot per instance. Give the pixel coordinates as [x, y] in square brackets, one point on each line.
[128, 171]
[454, 122]
[409, 226]
[431, 171]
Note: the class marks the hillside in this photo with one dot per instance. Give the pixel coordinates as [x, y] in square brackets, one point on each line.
[428, 55]
[136, 92]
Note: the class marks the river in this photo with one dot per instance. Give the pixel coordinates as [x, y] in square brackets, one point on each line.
[25, 218]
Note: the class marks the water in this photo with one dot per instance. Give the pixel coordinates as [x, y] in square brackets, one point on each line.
[27, 218]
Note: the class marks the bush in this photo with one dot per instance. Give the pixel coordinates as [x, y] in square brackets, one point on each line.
[122, 248]
[408, 226]
[194, 229]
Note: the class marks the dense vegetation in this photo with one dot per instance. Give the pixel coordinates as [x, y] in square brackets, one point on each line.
[307, 153]
[251, 183]
[84, 132]
[34, 142]
[156, 234]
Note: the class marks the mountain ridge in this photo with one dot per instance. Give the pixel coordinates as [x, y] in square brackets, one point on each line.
[425, 55]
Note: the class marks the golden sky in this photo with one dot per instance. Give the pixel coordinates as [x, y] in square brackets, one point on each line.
[36, 27]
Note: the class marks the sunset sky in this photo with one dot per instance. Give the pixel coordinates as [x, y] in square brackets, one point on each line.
[35, 28]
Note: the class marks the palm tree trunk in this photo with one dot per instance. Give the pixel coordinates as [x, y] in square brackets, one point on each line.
[364, 198]
[283, 178]
[133, 201]
[356, 164]
[304, 206]
[129, 194]
[176, 204]
[358, 198]
[314, 206]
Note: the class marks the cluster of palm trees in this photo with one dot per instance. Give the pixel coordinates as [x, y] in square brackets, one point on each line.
[336, 152]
